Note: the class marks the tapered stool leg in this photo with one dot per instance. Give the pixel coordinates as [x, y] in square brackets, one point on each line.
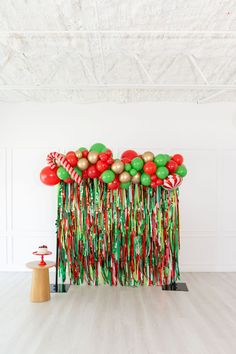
[40, 289]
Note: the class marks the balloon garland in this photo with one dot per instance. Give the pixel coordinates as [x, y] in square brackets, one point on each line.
[146, 169]
[118, 219]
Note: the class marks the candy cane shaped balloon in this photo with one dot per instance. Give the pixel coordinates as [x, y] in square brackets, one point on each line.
[172, 182]
[54, 159]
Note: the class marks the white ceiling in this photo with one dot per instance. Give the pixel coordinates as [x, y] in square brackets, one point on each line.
[110, 50]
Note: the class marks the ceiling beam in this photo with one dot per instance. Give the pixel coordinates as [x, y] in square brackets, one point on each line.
[119, 86]
[198, 69]
[115, 32]
[142, 66]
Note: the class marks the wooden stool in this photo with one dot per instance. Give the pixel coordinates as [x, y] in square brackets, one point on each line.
[40, 288]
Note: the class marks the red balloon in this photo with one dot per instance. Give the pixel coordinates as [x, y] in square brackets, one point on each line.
[110, 161]
[154, 178]
[85, 173]
[93, 172]
[153, 184]
[129, 155]
[85, 153]
[103, 156]
[150, 168]
[68, 180]
[178, 159]
[159, 182]
[172, 166]
[49, 176]
[72, 158]
[102, 166]
[114, 184]
[125, 160]
[108, 152]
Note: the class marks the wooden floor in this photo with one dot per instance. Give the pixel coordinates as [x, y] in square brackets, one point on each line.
[120, 320]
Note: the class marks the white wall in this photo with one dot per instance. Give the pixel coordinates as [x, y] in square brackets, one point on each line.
[205, 134]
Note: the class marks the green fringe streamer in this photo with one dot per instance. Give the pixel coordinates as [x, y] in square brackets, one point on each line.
[128, 237]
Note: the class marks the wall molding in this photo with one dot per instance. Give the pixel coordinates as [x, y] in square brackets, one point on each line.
[210, 247]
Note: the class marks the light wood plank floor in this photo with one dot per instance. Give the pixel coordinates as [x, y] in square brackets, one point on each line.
[120, 320]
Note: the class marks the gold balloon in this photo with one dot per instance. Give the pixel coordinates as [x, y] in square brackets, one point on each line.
[93, 157]
[136, 178]
[83, 164]
[124, 177]
[118, 166]
[78, 153]
[148, 156]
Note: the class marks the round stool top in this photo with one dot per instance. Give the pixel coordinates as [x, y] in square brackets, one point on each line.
[35, 265]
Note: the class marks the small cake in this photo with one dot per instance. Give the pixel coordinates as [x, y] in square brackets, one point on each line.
[43, 249]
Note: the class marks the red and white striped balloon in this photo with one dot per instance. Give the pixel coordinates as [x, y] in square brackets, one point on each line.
[54, 159]
[172, 182]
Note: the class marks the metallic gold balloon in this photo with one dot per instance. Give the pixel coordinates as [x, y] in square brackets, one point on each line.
[148, 156]
[136, 178]
[118, 166]
[78, 153]
[83, 164]
[93, 156]
[124, 177]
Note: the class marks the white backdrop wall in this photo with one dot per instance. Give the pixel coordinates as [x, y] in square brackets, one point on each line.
[204, 134]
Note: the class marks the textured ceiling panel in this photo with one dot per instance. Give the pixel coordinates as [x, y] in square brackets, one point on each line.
[199, 15]
[126, 50]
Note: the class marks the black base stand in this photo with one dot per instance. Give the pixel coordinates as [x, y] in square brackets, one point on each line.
[175, 287]
[59, 288]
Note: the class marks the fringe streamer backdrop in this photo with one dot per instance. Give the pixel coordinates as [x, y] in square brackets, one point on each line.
[128, 237]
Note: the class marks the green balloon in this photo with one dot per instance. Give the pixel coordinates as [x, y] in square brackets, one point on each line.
[160, 160]
[127, 167]
[137, 163]
[78, 171]
[168, 157]
[82, 149]
[145, 179]
[108, 176]
[133, 172]
[162, 172]
[181, 171]
[99, 147]
[125, 185]
[62, 173]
